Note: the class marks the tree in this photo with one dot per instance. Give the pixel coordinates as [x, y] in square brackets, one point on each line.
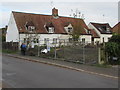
[77, 31]
[4, 33]
[115, 38]
[113, 49]
[3, 38]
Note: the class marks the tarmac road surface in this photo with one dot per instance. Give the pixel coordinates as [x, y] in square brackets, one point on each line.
[18, 73]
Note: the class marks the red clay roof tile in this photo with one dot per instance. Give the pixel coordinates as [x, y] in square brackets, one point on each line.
[39, 20]
[100, 26]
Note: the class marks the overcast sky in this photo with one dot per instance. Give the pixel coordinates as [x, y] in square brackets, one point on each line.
[99, 11]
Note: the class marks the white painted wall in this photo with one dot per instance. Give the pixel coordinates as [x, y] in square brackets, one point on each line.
[96, 40]
[41, 38]
[88, 38]
[105, 36]
[12, 31]
[69, 26]
[62, 37]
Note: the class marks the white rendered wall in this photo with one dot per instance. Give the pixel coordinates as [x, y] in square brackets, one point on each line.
[88, 38]
[41, 38]
[105, 36]
[12, 31]
[96, 40]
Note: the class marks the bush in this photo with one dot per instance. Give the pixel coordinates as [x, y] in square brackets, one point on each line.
[113, 49]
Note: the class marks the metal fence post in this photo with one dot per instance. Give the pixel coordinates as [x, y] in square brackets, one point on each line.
[99, 55]
[38, 48]
[55, 51]
[83, 53]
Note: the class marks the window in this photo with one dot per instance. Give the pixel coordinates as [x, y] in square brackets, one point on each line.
[37, 40]
[104, 28]
[54, 40]
[51, 30]
[34, 40]
[89, 32]
[83, 40]
[70, 39]
[108, 38]
[103, 39]
[46, 40]
[31, 28]
[108, 30]
[70, 29]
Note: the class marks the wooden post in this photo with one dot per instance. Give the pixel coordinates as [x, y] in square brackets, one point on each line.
[99, 56]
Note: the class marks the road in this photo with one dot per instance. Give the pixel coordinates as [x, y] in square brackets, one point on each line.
[17, 73]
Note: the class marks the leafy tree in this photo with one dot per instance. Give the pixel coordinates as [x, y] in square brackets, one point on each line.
[3, 38]
[113, 48]
[77, 31]
[115, 38]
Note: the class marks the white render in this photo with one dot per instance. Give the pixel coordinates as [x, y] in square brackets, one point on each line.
[12, 34]
[69, 26]
[96, 40]
[105, 36]
[63, 38]
[87, 38]
[42, 37]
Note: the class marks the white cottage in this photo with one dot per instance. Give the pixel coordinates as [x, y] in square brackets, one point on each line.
[103, 31]
[39, 28]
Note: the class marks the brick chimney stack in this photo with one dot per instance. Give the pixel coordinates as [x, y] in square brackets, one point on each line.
[55, 12]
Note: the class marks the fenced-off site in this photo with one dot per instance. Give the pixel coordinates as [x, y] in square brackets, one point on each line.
[73, 51]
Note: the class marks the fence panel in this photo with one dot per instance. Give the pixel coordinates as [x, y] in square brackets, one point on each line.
[68, 51]
[13, 46]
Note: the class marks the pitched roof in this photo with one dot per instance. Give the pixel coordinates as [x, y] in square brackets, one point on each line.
[94, 34]
[39, 21]
[116, 28]
[103, 28]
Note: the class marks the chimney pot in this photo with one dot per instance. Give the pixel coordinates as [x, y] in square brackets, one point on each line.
[55, 12]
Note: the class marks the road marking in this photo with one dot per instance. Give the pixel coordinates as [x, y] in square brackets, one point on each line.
[63, 66]
[10, 74]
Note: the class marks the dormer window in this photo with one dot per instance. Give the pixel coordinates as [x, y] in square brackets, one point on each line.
[108, 29]
[51, 29]
[89, 32]
[104, 28]
[30, 26]
[69, 28]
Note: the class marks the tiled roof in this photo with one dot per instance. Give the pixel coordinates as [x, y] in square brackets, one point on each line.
[94, 34]
[103, 28]
[116, 28]
[39, 21]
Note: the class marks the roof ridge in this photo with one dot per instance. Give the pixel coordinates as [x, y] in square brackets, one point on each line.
[116, 24]
[29, 13]
[45, 15]
[98, 23]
